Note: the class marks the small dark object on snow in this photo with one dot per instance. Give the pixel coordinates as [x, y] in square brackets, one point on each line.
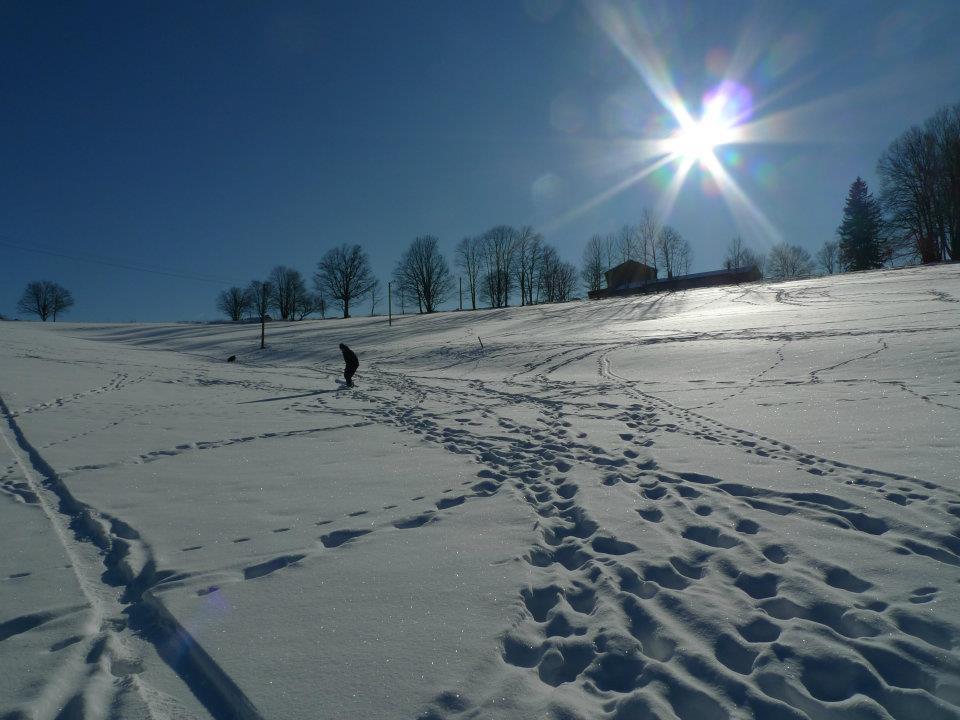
[350, 358]
[232, 358]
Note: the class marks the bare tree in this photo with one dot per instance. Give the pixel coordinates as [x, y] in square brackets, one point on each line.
[344, 275]
[760, 263]
[423, 272]
[468, 255]
[611, 250]
[376, 295]
[44, 299]
[304, 302]
[648, 230]
[785, 262]
[593, 265]
[674, 251]
[684, 257]
[260, 292]
[528, 251]
[534, 259]
[628, 245]
[498, 251]
[827, 256]
[308, 303]
[735, 254]
[920, 189]
[945, 127]
[401, 296]
[521, 243]
[61, 299]
[36, 299]
[557, 278]
[234, 302]
[289, 289]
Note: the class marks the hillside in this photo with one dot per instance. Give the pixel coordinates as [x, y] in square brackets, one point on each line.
[721, 503]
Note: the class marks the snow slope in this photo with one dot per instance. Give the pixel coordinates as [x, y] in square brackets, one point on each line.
[721, 503]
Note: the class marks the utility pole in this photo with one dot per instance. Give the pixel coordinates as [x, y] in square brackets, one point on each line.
[390, 304]
[461, 293]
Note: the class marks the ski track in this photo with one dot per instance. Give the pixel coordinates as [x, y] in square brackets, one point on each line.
[114, 568]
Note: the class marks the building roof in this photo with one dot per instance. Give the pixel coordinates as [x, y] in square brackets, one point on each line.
[629, 264]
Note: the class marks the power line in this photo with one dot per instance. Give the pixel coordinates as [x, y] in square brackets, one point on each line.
[122, 264]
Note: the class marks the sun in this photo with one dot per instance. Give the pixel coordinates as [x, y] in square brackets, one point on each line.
[696, 140]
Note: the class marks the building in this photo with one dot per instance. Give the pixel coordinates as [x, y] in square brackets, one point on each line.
[629, 274]
[679, 282]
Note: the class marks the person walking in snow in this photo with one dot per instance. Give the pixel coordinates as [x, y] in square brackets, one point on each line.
[350, 358]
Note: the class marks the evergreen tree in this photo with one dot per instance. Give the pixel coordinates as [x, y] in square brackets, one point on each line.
[861, 246]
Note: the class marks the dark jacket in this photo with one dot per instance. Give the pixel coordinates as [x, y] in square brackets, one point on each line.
[349, 357]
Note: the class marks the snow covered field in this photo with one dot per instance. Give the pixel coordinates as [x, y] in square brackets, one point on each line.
[723, 503]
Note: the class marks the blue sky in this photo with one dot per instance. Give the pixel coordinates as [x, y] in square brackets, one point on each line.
[216, 140]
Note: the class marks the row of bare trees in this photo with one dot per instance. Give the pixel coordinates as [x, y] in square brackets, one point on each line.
[783, 261]
[45, 299]
[343, 276]
[648, 242]
[506, 261]
[284, 291]
[501, 262]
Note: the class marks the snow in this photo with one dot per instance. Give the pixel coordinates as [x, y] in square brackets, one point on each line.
[720, 503]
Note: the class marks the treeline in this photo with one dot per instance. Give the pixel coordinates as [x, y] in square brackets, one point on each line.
[343, 276]
[782, 261]
[504, 260]
[498, 265]
[916, 218]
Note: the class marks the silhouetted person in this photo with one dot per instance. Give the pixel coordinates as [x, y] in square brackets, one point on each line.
[350, 358]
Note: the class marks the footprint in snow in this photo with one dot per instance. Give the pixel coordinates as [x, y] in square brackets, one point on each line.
[924, 595]
[339, 537]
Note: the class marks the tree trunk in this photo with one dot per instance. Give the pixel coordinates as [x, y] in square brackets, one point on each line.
[263, 331]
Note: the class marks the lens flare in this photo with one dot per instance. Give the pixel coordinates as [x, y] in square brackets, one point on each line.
[697, 140]
[724, 108]
[725, 120]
